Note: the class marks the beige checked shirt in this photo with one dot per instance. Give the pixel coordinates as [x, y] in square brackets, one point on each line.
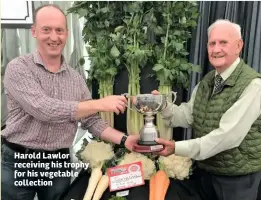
[42, 105]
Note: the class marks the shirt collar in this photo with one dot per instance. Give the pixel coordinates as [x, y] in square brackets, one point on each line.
[225, 74]
[38, 60]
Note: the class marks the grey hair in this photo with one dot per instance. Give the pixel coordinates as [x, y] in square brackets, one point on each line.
[225, 21]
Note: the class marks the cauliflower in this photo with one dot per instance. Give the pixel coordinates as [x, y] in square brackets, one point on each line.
[95, 153]
[148, 166]
[177, 167]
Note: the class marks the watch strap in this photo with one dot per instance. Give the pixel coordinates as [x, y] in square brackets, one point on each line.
[123, 140]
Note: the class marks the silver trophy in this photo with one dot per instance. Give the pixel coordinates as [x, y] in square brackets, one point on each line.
[149, 105]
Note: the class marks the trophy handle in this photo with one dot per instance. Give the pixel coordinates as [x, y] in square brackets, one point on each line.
[170, 94]
[126, 95]
[175, 96]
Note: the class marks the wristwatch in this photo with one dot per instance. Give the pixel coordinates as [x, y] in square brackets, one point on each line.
[123, 140]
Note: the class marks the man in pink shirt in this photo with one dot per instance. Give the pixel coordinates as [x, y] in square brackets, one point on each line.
[46, 99]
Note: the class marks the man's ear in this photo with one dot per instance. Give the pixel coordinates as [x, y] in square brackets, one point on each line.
[33, 31]
[240, 45]
[67, 33]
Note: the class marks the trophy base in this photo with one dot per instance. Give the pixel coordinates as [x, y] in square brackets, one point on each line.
[147, 148]
[147, 143]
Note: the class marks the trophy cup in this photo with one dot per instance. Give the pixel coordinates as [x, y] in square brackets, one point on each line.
[149, 105]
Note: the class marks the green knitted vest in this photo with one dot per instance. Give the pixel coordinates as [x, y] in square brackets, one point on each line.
[207, 112]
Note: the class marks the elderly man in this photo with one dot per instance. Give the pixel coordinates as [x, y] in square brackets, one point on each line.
[46, 99]
[225, 113]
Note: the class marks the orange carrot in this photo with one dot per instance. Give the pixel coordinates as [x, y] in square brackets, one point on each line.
[165, 190]
[161, 185]
[152, 187]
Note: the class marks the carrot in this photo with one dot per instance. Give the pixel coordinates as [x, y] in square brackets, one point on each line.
[161, 185]
[165, 190]
[152, 187]
[96, 175]
[101, 187]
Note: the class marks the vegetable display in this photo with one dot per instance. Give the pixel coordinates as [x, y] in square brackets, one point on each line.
[136, 52]
[135, 34]
[91, 153]
[172, 68]
[158, 170]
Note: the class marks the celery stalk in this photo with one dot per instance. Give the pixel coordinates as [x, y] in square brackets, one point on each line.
[165, 131]
[106, 89]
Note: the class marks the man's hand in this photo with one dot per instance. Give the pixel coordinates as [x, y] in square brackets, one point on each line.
[169, 147]
[115, 103]
[131, 141]
[155, 92]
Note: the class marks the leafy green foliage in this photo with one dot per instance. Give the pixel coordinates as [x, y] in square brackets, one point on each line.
[131, 33]
[118, 156]
[101, 19]
[172, 27]
[117, 198]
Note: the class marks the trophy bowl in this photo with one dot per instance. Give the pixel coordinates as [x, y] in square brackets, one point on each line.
[149, 105]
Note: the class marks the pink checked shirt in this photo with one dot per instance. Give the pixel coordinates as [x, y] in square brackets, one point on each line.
[42, 105]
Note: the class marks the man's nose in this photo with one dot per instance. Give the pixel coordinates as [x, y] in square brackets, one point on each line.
[53, 36]
[216, 48]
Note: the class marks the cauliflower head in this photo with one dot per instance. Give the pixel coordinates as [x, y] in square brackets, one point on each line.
[95, 153]
[177, 167]
[148, 166]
